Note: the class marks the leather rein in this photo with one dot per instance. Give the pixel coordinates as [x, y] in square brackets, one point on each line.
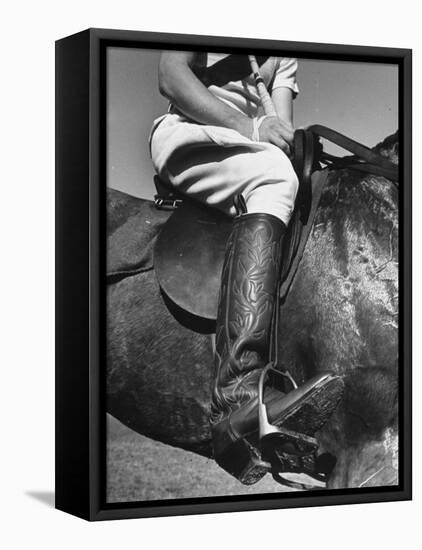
[363, 158]
[309, 156]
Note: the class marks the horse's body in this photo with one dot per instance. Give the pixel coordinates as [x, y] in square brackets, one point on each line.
[340, 315]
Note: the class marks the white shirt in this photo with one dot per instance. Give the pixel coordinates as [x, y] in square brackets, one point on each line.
[242, 94]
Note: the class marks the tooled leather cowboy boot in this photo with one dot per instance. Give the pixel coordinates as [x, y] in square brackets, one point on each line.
[249, 285]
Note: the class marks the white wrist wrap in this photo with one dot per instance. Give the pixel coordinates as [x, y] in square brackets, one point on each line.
[255, 130]
[256, 123]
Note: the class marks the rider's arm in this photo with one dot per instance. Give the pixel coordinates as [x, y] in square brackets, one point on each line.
[284, 88]
[283, 103]
[178, 83]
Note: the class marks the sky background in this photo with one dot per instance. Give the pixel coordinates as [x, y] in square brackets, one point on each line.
[357, 99]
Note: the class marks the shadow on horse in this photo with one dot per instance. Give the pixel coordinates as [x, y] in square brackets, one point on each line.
[340, 315]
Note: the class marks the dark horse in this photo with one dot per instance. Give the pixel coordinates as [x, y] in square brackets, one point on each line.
[341, 315]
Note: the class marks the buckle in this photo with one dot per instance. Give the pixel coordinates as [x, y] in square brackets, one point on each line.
[162, 203]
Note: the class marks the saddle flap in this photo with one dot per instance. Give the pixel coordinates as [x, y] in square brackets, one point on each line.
[189, 256]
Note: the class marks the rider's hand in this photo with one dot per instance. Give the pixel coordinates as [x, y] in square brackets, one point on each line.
[273, 130]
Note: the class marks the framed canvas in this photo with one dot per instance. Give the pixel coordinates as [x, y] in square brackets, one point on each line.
[233, 282]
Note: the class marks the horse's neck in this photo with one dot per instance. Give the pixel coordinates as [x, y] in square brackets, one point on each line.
[378, 191]
[352, 198]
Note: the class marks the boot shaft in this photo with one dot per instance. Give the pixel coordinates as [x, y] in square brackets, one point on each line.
[250, 280]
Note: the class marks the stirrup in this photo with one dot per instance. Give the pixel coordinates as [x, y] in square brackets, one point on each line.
[271, 437]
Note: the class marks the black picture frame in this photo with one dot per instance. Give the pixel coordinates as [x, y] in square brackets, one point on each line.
[80, 274]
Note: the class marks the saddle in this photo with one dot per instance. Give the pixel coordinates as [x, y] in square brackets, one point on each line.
[189, 251]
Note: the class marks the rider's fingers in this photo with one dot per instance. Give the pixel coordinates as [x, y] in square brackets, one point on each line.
[280, 143]
[286, 133]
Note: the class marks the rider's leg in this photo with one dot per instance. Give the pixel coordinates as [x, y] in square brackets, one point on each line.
[266, 179]
[214, 175]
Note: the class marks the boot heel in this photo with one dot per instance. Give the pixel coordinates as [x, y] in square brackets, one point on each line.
[236, 456]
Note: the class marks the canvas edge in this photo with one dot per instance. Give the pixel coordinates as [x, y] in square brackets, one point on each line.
[92, 457]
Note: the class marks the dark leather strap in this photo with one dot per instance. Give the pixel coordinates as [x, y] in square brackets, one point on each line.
[372, 161]
[308, 155]
[306, 152]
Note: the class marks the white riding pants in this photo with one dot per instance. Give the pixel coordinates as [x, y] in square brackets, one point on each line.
[213, 164]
